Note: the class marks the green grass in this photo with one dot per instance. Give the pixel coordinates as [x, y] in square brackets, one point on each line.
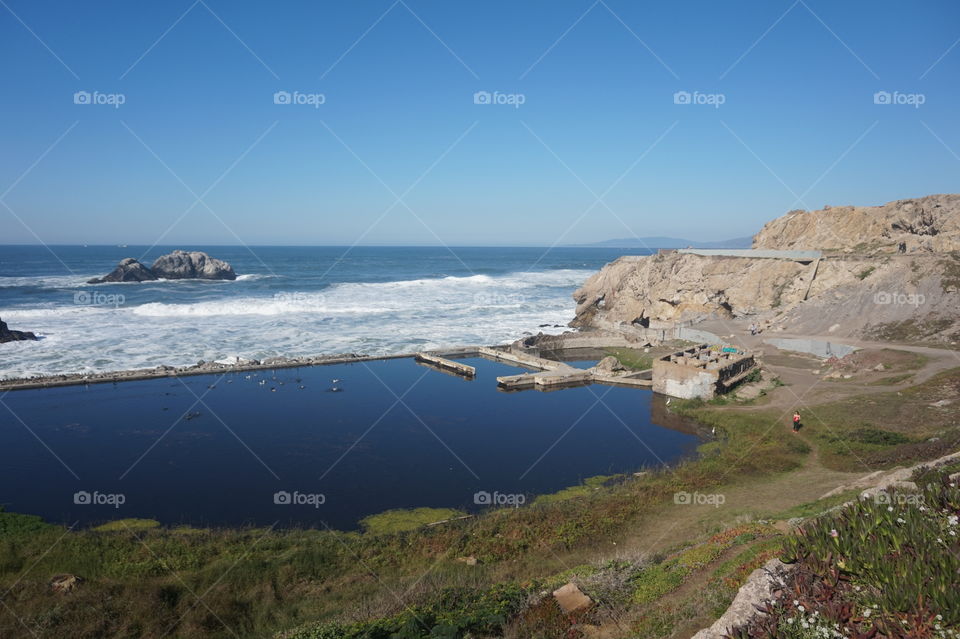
[813, 508]
[632, 358]
[587, 488]
[402, 519]
[885, 429]
[865, 273]
[122, 525]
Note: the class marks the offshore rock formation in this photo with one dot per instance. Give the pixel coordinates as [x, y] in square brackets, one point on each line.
[866, 283]
[7, 335]
[128, 270]
[178, 265]
[181, 265]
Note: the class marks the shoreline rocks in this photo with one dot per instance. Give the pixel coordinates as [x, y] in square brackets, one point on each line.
[179, 265]
[7, 335]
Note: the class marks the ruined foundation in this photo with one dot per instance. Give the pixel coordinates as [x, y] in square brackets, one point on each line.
[701, 372]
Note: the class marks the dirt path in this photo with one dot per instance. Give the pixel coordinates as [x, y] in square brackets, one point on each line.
[742, 501]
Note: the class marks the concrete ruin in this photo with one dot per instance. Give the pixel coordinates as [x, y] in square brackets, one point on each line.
[701, 372]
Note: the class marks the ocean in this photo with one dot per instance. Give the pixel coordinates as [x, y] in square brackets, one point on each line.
[287, 301]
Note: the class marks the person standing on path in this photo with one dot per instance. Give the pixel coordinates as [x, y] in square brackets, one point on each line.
[796, 421]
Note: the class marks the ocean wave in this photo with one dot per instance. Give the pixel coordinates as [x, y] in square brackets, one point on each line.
[364, 317]
[447, 294]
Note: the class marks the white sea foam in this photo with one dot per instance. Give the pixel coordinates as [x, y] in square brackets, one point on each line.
[363, 317]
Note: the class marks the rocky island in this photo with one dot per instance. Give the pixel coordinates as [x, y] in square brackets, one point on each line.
[7, 335]
[178, 265]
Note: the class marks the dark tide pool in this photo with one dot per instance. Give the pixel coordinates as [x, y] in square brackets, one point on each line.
[223, 450]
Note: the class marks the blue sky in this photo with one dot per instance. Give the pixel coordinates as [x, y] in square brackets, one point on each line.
[400, 153]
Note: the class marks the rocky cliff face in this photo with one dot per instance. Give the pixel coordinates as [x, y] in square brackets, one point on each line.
[928, 224]
[863, 286]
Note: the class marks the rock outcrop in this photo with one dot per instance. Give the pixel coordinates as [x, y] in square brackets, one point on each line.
[7, 335]
[128, 270]
[758, 590]
[179, 265]
[862, 286]
[928, 224]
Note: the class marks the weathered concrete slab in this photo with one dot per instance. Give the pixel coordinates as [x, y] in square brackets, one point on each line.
[445, 364]
[520, 359]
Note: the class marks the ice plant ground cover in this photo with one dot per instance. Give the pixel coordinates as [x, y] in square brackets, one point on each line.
[885, 566]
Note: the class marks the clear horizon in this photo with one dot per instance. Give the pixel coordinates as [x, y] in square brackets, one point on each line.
[420, 123]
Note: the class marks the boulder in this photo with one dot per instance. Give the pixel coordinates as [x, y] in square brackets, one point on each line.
[571, 599]
[609, 364]
[181, 265]
[63, 584]
[759, 588]
[6, 335]
[128, 270]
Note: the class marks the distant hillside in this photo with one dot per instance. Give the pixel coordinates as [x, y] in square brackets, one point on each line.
[671, 242]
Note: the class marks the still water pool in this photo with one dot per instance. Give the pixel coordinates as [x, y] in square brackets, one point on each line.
[245, 448]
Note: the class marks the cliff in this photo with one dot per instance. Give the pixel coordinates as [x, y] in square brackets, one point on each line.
[928, 224]
[863, 285]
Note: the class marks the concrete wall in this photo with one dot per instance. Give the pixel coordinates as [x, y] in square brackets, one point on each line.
[685, 382]
[817, 347]
[696, 335]
[800, 256]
